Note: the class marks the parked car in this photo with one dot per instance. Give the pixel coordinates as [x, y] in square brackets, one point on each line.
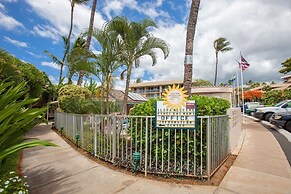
[265, 113]
[282, 120]
[251, 107]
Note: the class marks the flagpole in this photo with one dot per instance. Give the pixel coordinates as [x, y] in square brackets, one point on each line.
[237, 83]
[233, 94]
[242, 89]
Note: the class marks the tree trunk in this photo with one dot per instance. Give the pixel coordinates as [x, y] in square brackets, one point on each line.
[69, 36]
[216, 64]
[89, 37]
[188, 63]
[127, 87]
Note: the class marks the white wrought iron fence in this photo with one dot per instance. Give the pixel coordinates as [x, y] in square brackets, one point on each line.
[184, 152]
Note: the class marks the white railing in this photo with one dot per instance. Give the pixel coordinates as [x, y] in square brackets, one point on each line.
[184, 152]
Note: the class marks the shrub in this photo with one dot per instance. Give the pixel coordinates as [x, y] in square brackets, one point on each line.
[16, 119]
[73, 91]
[205, 106]
[13, 184]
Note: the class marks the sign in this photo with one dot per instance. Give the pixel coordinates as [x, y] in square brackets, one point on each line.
[175, 112]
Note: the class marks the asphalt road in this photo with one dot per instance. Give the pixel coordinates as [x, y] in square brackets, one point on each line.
[282, 136]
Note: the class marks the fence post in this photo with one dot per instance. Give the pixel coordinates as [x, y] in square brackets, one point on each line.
[95, 135]
[114, 139]
[146, 149]
[208, 154]
[82, 131]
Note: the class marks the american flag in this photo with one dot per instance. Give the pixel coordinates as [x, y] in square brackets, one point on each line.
[243, 63]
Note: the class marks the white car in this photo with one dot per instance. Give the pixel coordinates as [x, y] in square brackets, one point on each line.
[265, 113]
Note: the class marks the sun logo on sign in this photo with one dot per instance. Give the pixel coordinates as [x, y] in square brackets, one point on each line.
[175, 97]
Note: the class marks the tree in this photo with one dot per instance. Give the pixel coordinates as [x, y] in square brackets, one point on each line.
[73, 2]
[75, 59]
[136, 41]
[286, 66]
[201, 82]
[255, 84]
[108, 61]
[220, 45]
[188, 63]
[18, 71]
[252, 95]
[89, 36]
[138, 80]
[16, 119]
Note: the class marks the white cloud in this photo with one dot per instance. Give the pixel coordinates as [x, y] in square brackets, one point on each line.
[7, 22]
[15, 42]
[2, 7]
[47, 31]
[57, 14]
[53, 79]
[11, 1]
[33, 54]
[261, 34]
[116, 7]
[50, 64]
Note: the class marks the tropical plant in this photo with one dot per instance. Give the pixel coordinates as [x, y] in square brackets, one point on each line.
[108, 61]
[12, 183]
[253, 95]
[201, 82]
[75, 60]
[135, 41]
[89, 36]
[286, 66]
[188, 62]
[255, 84]
[18, 71]
[67, 49]
[220, 45]
[16, 118]
[71, 91]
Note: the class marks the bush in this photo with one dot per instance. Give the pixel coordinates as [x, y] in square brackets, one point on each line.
[205, 105]
[73, 91]
[13, 184]
[274, 96]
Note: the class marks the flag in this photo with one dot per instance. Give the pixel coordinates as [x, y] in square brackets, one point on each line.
[243, 63]
[233, 78]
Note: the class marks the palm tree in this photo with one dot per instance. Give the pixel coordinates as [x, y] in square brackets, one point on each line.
[188, 63]
[89, 36]
[75, 59]
[220, 45]
[136, 41]
[73, 2]
[108, 61]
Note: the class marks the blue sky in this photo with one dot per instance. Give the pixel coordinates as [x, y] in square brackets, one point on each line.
[28, 27]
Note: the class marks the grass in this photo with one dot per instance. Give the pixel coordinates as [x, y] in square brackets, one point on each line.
[9, 164]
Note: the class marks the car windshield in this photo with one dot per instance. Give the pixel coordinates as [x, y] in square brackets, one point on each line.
[280, 103]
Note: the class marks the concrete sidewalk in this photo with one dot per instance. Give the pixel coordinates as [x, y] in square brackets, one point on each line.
[261, 167]
[64, 170]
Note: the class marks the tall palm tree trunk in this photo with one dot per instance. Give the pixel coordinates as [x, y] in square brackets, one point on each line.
[188, 63]
[89, 37]
[127, 87]
[69, 37]
[216, 64]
